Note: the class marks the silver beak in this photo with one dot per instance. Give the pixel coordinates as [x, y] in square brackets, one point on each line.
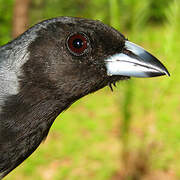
[135, 61]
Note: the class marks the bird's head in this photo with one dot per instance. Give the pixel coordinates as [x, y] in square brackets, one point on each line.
[77, 56]
[50, 66]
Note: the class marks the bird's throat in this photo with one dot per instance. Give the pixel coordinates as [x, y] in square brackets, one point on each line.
[23, 126]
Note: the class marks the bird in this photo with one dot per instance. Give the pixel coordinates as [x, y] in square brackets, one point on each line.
[52, 65]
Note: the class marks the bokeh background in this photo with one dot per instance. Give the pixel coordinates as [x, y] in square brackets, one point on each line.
[130, 134]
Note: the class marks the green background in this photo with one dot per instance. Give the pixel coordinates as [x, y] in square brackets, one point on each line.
[132, 133]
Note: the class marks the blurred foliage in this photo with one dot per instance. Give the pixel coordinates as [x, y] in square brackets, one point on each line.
[126, 14]
[134, 131]
[6, 14]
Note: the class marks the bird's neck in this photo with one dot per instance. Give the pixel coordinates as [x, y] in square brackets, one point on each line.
[31, 112]
[25, 121]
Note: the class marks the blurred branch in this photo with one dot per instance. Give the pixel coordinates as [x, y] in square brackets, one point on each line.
[21, 17]
[127, 115]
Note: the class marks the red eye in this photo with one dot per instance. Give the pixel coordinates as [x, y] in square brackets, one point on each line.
[77, 44]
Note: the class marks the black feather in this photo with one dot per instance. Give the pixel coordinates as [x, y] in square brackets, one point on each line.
[49, 79]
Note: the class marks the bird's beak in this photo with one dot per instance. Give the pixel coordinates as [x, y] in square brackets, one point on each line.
[134, 61]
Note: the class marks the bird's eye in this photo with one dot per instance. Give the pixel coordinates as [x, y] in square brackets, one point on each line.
[77, 44]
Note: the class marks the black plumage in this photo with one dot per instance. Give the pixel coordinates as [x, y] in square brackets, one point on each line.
[49, 67]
